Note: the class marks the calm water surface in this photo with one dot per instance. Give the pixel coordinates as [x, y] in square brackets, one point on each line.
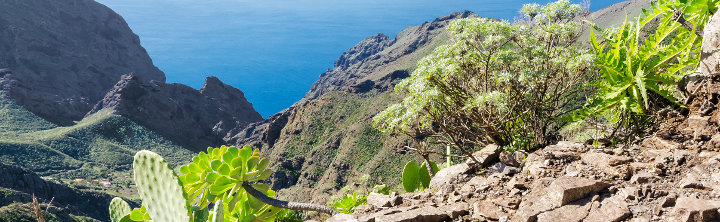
[273, 50]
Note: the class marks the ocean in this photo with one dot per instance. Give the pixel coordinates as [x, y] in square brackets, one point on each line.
[273, 50]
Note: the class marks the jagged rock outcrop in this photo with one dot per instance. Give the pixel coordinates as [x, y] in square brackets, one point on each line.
[196, 118]
[65, 55]
[64, 199]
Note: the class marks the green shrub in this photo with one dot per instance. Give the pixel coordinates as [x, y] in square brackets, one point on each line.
[348, 203]
[286, 215]
[381, 189]
[633, 66]
[497, 83]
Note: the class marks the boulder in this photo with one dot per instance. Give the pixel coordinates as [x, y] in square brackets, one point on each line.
[612, 165]
[559, 193]
[689, 209]
[426, 214]
[381, 200]
[612, 209]
[486, 156]
[574, 212]
[342, 218]
[488, 209]
[449, 175]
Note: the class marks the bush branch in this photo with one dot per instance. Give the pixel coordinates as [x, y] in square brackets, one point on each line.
[286, 204]
[678, 17]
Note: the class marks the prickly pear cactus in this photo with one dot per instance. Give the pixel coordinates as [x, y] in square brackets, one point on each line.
[118, 209]
[416, 178]
[159, 188]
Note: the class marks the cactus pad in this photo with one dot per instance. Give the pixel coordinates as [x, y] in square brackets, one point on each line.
[159, 188]
[118, 209]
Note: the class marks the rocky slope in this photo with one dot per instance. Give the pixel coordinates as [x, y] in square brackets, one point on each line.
[672, 175]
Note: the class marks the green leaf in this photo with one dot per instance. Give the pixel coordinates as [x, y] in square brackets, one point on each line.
[410, 177]
[424, 176]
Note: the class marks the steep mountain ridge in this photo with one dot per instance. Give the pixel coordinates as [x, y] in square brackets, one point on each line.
[79, 96]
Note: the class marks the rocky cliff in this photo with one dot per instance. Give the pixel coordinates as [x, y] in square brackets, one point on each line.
[195, 118]
[65, 55]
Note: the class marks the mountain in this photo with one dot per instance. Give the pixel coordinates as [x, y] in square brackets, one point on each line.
[79, 96]
[65, 55]
[326, 140]
[195, 118]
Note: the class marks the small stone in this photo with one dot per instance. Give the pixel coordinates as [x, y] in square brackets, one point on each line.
[642, 178]
[618, 151]
[571, 171]
[489, 210]
[612, 209]
[342, 218]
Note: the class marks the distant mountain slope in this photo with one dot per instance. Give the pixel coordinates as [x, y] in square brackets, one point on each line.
[66, 54]
[17, 186]
[325, 141]
[63, 60]
[195, 119]
[95, 154]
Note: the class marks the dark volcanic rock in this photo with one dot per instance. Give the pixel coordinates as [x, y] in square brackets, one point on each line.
[198, 118]
[76, 202]
[65, 55]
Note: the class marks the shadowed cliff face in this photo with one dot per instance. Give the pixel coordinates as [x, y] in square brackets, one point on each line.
[66, 54]
[195, 118]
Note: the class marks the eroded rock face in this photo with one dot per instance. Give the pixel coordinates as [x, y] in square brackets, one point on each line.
[198, 118]
[65, 55]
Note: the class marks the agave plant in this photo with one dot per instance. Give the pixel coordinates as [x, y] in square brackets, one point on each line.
[631, 65]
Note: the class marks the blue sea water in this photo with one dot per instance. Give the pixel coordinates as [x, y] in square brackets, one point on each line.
[273, 50]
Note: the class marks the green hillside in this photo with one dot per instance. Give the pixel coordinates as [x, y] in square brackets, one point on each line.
[97, 149]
